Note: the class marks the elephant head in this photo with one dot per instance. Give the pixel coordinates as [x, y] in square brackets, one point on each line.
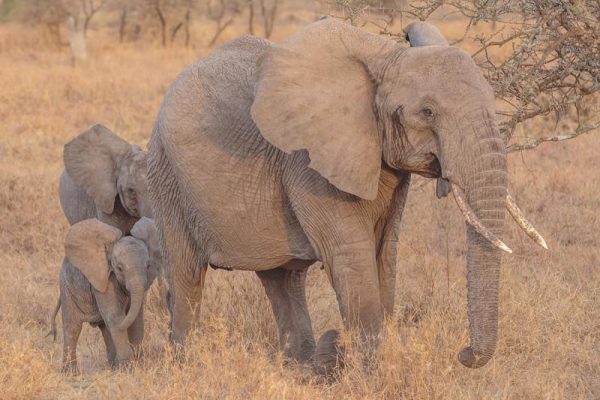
[98, 249]
[354, 100]
[105, 166]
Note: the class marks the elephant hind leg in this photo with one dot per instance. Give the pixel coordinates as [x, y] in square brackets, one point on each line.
[71, 330]
[286, 290]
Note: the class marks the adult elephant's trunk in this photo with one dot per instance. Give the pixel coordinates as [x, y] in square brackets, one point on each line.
[484, 207]
[136, 291]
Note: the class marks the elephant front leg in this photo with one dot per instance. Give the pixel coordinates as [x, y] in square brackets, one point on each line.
[353, 274]
[111, 353]
[286, 292]
[136, 333]
[112, 311]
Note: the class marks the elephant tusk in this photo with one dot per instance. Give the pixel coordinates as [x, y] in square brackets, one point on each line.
[520, 219]
[474, 221]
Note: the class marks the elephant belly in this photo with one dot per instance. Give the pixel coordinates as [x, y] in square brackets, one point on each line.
[247, 222]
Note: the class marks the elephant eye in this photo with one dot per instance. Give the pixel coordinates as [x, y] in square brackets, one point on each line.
[130, 192]
[427, 112]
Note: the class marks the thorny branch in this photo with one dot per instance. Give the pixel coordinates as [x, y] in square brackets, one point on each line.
[557, 138]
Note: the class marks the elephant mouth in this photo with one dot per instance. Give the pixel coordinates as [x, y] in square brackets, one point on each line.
[428, 167]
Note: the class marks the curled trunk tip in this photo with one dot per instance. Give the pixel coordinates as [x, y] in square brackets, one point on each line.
[471, 359]
[137, 300]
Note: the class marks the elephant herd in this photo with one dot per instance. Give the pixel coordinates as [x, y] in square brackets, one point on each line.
[269, 157]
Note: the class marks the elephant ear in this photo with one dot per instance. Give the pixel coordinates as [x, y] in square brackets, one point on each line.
[316, 92]
[145, 230]
[86, 247]
[91, 160]
[420, 33]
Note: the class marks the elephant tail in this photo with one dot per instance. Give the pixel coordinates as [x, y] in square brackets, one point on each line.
[53, 321]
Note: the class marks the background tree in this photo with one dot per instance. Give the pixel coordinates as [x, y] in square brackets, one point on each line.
[222, 13]
[251, 17]
[268, 11]
[74, 15]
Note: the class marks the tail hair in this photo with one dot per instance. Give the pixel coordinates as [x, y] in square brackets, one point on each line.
[53, 322]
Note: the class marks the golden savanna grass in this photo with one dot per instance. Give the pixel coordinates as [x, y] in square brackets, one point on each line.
[549, 341]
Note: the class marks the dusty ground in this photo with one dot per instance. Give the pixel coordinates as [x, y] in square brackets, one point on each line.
[549, 344]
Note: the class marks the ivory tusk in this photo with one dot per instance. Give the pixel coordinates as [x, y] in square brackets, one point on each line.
[474, 221]
[520, 219]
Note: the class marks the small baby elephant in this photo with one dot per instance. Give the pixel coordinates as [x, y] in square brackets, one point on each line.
[103, 281]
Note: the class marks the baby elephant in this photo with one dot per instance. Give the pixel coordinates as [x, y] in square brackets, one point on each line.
[103, 281]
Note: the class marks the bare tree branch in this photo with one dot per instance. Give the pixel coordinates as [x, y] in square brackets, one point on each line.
[557, 138]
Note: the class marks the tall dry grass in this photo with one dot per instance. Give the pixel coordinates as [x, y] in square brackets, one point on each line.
[549, 342]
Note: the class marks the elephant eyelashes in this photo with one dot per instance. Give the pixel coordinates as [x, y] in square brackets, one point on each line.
[427, 113]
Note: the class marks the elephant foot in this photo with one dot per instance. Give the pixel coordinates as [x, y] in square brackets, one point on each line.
[302, 353]
[70, 368]
[328, 359]
[123, 365]
[137, 351]
[177, 352]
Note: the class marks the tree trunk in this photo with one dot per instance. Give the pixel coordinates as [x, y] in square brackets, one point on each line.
[187, 28]
[218, 31]
[122, 24]
[163, 25]
[251, 17]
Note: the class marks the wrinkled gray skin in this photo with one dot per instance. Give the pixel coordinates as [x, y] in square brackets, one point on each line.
[103, 281]
[421, 34]
[104, 178]
[267, 157]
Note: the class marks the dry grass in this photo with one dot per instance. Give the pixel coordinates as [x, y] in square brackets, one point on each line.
[549, 345]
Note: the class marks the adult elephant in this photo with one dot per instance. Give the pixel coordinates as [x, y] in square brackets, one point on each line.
[268, 157]
[105, 178]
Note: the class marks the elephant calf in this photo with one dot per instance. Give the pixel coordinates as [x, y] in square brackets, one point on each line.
[103, 281]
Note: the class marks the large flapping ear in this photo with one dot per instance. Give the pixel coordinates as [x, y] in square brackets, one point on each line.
[91, 161]
[86, 248]
[420, 33]
[145, 230]
[316, 92]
